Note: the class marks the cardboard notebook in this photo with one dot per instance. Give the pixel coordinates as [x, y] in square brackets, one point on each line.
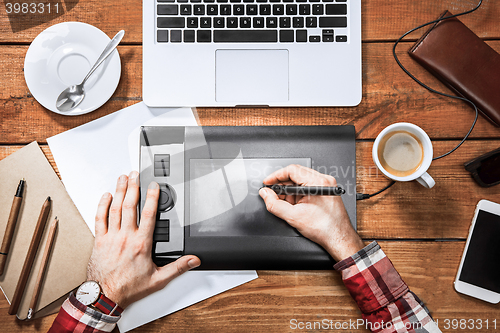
[73, 241]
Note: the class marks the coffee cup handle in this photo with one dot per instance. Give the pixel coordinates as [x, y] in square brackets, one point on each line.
[426, 180]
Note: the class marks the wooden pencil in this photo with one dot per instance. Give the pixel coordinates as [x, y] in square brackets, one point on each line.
[30, 257]
[43, 267]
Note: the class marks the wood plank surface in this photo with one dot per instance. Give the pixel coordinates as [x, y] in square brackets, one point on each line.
[382, 20]
[276, 297]
[408, 210]
[388, 96]
[423, 231]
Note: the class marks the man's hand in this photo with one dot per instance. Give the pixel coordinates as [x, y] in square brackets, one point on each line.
[322, 219]
[121, 259]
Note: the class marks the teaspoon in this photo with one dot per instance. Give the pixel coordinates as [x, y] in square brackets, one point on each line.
[72, 96]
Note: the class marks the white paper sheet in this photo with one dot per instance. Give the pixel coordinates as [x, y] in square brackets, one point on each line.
[188, 289]
[91, 157]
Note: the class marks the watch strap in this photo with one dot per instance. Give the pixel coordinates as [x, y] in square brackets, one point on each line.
[107, 306]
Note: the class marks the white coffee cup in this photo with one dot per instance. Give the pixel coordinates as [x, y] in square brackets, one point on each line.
[420, 174]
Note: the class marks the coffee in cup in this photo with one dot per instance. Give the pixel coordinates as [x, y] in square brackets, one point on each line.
[401, 153]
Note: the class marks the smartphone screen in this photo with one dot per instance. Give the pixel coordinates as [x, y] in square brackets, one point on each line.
[481, 265]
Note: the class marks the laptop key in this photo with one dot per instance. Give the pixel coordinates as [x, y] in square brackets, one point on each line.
[291, 9]
[285, 22]
[336, 9]
[205, 22]
[341, 39]
[264, 9]
[168, 9]
[298, 22]
[251, 9]
[311, 22]
[188, 36]
[245, 36]
[327, 38]
[218, 22]
[204, 36]
[185, 9]
[278, 9]
[192, 22]
[305, 9]
[301, 36]
[271, 22]
[258, 22]
[175, 36]
[333, 22]
[314, 39]
[170, 22]
[232, 22]
[286, 36]
[245, 22]
[212, 9]
[317, 9]
[238, 9]
[225, 9]
[199, 9]
[162, 36]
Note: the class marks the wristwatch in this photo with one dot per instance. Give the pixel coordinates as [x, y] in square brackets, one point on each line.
[90, 294]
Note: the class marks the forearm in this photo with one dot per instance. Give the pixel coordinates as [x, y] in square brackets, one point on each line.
[382, 296]
[76, 317]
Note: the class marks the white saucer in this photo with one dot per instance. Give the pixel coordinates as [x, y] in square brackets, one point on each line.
[61, 56]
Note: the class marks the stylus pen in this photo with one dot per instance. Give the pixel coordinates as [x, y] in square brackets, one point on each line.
[306, 190]
[11, 225]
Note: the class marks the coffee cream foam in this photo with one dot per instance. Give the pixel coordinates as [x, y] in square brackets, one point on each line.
[401, 153]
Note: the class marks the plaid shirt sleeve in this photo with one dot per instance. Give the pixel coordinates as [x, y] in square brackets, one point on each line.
[383, 297]
[76, 317]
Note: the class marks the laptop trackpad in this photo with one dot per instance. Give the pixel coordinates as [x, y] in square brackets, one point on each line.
[251, 76]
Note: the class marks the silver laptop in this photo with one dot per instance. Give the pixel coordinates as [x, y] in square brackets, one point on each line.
[251, 53]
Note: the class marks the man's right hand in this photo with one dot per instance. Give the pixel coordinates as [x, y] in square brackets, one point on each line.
[322, 219]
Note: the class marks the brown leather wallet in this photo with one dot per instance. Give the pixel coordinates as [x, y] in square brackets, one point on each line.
[464, 62]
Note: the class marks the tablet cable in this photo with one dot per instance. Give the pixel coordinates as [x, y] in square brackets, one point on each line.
[363, 196]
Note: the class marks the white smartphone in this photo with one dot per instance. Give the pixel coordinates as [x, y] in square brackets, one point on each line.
[479, 272]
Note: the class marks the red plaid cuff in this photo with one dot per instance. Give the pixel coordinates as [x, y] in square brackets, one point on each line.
[382, 296]
[76, 317]
[371, 278]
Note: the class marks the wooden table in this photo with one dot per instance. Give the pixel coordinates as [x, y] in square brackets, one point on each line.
[422, 231]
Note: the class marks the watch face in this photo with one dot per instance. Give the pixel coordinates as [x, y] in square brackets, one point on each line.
[88, 292]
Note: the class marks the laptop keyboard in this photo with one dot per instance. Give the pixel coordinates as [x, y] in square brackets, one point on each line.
[251, 21]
